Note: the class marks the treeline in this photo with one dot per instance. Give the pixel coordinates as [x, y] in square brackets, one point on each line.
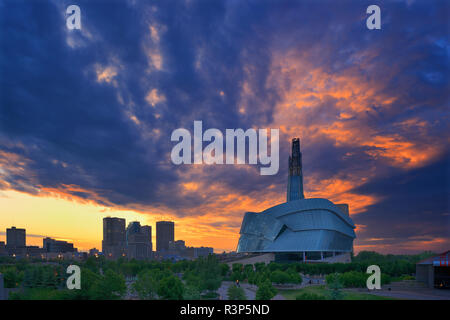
[198, 279]
[353, 279]
[259, 272]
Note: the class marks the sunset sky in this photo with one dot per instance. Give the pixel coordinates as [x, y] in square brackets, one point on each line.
[86, 115]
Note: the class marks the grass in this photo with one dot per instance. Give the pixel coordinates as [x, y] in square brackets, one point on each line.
[325, 292]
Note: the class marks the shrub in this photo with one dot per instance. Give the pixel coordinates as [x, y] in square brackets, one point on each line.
[236, 293]
[278, 276]
[265, 291]
[354, 279]
[170, 288]
[310, 296]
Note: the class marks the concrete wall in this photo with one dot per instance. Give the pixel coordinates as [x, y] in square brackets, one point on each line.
[266, 258]
[425, 274]
[340, 258]
[269, 257]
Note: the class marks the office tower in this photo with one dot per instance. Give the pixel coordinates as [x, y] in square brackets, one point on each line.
[138, 241]
[133, 227]
[147, 230]
[295, 180]
[15, 237]
[114, 241]
[165, 233]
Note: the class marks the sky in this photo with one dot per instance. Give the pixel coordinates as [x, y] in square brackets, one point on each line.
[86, 115]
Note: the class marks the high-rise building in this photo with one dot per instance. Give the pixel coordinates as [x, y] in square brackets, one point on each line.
[165, 233]
[133, 228]
[139, 247]
[114, 237]
[15, 237]
[139, 241]
[147, 230]
[295, 179]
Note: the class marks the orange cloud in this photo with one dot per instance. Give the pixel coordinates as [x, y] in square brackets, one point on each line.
[324, 105]
[398, 246]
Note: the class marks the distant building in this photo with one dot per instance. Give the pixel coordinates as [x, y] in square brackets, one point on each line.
[204, 251]
[139, 241]
[147, 230]
[133, 227]
[57, 246]
[435, 271]
[93, 252]
[34, 252]
[3, 248]
[114, 237]
[197, 252]
[165, 233]
[177, 246]
[15, 237]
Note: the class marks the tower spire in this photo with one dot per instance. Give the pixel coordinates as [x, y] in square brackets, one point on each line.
[295, 180]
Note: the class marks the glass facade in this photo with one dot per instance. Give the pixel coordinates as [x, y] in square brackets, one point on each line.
[297, 226]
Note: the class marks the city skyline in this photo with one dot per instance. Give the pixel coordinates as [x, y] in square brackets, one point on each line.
[86, 116]
[42, 241]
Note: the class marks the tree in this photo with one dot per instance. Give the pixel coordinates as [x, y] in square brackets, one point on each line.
[335, 285]
[280, 277]
[88, 281]
[191, 293]
[49, 278]
[170, 288]
[309, 296]
[295, 277]
[260, 266]
[224, 269]
[12, 277]
[109, 287]
[236, 293]
[237, 275]
[28, 280]
[265, 291]
[146, 285]
[212, 283]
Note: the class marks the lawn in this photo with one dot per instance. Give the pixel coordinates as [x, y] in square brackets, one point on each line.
[325, 292]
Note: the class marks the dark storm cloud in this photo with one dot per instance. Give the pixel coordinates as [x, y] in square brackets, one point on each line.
[53, 105]
[414, 203]
[414, 210]
[103, 139]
